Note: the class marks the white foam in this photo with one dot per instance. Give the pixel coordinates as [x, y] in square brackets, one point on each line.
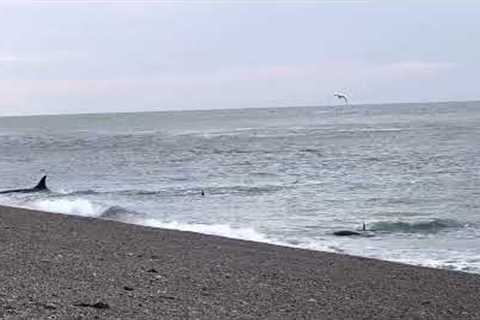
[87, 208]
[79, 207]
[223, 230]
[242, 233]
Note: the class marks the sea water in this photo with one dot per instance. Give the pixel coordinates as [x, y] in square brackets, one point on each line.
[289, 176]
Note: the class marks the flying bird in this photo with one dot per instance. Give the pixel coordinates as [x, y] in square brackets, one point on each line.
[342, 97]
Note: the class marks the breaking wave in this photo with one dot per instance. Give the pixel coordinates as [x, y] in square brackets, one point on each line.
[87, 208]
[78, 207]
[223, 230]
[432, 226]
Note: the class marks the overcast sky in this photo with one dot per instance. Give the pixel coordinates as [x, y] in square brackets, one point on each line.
[104, 56]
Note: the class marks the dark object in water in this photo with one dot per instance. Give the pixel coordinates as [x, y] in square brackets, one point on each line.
[203, 193]
[41, 186]
[96, 305]
[343, 233]
[346, 233]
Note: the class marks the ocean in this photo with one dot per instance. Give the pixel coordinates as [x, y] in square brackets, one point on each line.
[286, 176]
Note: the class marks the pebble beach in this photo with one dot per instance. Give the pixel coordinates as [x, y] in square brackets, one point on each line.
[65, 267]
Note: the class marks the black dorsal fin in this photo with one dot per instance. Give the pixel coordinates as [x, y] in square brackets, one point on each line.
[42, 184]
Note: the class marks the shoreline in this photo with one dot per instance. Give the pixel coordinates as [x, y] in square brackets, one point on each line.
[57, 266]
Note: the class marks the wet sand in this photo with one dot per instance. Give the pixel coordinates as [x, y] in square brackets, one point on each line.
[63, 267]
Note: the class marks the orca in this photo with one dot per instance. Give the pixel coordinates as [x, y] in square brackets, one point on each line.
[40, 187]
[347, 233]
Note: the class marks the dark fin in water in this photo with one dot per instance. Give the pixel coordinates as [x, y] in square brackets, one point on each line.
[42, 184]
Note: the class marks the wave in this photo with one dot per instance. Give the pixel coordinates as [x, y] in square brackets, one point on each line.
[432, 226]
[79, 207]
[371, 130]
[224, 230]
[87, 208]
[121, 214]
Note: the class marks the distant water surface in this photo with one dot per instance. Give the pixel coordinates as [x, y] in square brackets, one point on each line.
[287, 176]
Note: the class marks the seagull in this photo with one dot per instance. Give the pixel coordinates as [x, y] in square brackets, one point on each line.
[341, 96]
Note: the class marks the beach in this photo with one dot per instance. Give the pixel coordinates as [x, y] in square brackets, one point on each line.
[66, 267]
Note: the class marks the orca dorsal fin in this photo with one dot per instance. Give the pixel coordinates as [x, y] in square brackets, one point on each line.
[42, 184]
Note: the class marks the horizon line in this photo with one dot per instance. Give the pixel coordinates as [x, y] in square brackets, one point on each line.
[234, 108]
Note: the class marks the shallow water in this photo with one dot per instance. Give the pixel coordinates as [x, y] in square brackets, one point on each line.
[287, 176]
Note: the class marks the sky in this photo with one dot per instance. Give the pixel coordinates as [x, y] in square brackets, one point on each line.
[125, 56]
